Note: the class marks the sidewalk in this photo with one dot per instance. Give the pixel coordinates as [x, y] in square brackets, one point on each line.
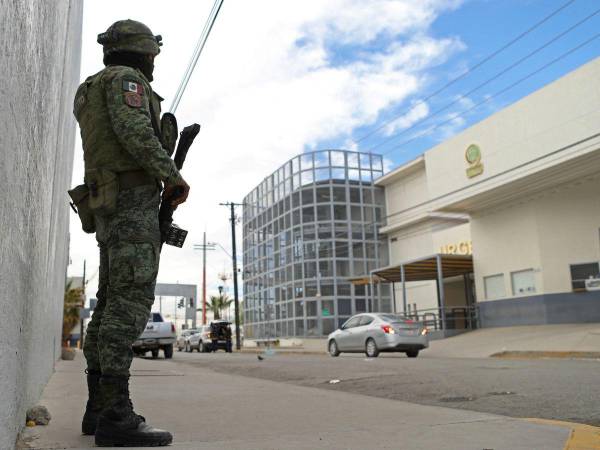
[205, 410]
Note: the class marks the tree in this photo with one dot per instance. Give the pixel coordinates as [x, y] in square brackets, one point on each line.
[73, 302]
[217, 303]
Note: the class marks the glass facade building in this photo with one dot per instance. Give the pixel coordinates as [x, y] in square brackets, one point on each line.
[308, 229]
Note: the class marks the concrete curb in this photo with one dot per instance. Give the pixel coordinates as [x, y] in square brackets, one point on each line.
[582, 437]
[510, 354]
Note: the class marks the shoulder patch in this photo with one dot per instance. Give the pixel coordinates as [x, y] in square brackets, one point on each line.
[133, 99]
[132, 86]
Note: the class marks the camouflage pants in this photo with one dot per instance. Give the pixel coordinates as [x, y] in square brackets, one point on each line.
[129, 242]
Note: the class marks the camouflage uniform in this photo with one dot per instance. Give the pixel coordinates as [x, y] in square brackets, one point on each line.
[120, 137]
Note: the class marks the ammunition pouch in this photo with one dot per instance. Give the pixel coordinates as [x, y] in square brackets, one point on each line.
[103, 185]
[80, 204]
[168, 132]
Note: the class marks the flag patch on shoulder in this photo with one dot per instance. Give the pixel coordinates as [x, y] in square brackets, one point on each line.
[132, 86]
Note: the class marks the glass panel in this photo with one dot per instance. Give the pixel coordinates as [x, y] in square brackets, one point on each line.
[323, 212]
[352, 159]
[342, 268]
[354, 195]
[325, 250]
[296, 181]
[307, 161]
[339, 212]
[308, 214]
[361, 305]
[310, 271]
[343, 289]
[311, 308]
[328, 326]
[298, 291]
[357, 250]
[365, 175]
[299, 308]
[299, 328]
[338, 174]
[355, 215]
[365, 161]
[309, 232]
[337, 159]
[377, 162]
[325, 268]
[324, 230]
[341, 249]
[308, 197]
[353, 174]
[359, 290]
[341, 230]
[341, 321]
[296, 164]
[322, 159]
[296, 217]
[310, 250]
[327, 308]
[323, 195]
[307, 177]
[311, 289]
[322, 174]
[344, 306]
[312, 327]
[359, 268]
[339, 194]
[327, 289]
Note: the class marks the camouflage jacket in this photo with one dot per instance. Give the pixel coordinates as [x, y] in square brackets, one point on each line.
[118, 114]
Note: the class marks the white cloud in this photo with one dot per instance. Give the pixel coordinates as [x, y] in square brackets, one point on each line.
[268, 85]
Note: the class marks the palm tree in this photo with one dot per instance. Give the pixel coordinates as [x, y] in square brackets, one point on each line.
[217, 303]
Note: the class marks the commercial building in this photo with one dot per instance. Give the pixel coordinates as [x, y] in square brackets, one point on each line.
[309, 228]
[500, 225]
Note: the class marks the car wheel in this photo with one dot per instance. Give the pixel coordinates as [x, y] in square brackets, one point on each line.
[371, 348]
[154, 354]
[412, 353]
[168, 351]
[333, 348]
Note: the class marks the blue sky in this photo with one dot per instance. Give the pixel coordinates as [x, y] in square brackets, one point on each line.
[483, 26]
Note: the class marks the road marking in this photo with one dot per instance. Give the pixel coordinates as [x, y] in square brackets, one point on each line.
[582, 437]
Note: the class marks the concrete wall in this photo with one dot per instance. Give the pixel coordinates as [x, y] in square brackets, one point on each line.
[40, 54]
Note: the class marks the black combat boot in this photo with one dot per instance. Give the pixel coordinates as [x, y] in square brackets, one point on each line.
[118, 425]
[94, 405]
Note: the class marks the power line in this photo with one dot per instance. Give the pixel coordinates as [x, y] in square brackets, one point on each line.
[502, 91]
[469, 70]
[197, 51]
[489, 80]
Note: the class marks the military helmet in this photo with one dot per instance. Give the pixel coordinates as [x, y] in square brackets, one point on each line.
[130, 36]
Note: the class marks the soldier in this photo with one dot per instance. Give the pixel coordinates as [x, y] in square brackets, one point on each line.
[125, 164]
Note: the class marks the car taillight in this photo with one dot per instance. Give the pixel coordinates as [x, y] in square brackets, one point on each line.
[173, 327]
[409, 321]
[424, 332]
[388, 329]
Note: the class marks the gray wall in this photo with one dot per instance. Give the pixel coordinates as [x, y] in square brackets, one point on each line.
[570, 307]
[39, 72]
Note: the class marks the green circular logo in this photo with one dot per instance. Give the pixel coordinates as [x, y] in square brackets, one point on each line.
[473, 154]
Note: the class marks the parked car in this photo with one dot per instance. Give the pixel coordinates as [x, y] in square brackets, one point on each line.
[184, 337]
[199, 341]
[158, 335]
[375, 333]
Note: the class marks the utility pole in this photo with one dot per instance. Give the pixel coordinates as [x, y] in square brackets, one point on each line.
[82, 306]
[204, 246]
[236, 300]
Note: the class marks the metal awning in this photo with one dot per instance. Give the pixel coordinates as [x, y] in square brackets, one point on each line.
[426, 268]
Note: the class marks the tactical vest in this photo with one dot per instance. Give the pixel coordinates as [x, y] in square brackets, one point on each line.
[101, 147]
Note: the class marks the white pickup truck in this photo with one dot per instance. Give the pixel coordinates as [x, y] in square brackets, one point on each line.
[158, 335]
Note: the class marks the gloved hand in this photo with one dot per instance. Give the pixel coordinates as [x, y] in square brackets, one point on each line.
[176, 193]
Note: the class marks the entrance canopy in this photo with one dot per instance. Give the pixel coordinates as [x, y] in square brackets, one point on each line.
[426, 268]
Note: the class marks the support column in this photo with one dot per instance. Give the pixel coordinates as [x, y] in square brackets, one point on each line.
[403, 278]
[394, 298]
[441, 295]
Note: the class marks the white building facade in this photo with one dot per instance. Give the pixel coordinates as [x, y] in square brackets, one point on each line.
[510, 211]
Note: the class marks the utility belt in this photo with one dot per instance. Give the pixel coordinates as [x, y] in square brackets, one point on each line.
[99, 194]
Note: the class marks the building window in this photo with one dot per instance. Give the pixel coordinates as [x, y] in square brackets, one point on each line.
[581, 272]
[494, 286]
[523, 282]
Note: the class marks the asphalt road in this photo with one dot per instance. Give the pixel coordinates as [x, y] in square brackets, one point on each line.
[551, 389]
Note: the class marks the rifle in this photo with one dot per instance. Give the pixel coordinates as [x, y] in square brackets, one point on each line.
[170, 233]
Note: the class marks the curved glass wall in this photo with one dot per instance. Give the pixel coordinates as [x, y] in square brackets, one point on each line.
[309, 228]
